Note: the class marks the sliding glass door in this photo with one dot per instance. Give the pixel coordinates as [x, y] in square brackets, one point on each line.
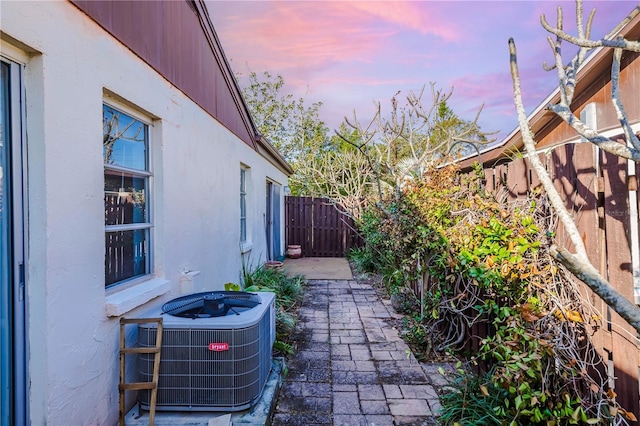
[274, 246]
[12, 280]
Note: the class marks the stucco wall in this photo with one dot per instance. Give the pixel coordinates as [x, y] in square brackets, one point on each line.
[73, 362]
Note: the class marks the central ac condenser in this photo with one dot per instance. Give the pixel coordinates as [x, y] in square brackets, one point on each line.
[215, 354]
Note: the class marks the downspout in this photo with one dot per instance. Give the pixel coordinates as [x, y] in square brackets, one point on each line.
[634, 238]
[632, 187]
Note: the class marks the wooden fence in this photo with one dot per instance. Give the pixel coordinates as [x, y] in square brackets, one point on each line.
[125, 251]
[602, 193]
[317, 226]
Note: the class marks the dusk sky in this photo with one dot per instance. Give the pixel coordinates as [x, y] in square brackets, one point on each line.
[348, 54]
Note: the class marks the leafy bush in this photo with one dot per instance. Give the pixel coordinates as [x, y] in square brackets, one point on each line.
[478, 400]
[289, 292]
[482, 258]
[363, 259]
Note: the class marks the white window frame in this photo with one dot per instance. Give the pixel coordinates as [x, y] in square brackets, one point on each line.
[245, 204]
[147, 175]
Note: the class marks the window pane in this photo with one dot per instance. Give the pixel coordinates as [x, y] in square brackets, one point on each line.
[243, 205]
[126, 255]
[243, 217]
[124, 198]
[124, 141]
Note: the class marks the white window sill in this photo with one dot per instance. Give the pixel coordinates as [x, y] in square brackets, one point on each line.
[246, 247]
[123, 301]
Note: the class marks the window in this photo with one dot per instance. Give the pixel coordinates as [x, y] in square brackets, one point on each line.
[243, 205]
[126, 196]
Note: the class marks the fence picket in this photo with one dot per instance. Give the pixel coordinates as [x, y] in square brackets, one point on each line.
[317, 226]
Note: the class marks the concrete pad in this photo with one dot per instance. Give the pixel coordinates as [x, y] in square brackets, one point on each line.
[138, 417]
[319, 268]
[258, 414]
[223, 420]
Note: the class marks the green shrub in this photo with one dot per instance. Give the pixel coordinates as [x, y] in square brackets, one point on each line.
[289, 292]
[478, 400]
[485, 259]
[363, 259]
[470, 400]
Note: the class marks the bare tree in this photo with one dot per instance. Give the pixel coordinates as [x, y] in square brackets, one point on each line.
[413, 138]
[344, 178]
[578, 263]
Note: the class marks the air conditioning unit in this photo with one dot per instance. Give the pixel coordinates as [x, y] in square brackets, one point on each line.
[216, 351]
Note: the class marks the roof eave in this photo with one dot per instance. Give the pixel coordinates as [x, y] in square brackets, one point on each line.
[541, 116]
[268, 151]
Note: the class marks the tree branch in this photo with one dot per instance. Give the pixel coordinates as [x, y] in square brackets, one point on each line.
[588, 274]
[583, 40]
[595, 281]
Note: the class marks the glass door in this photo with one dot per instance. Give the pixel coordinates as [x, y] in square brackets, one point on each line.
[269, 222]
[12, 310]
[274, 246]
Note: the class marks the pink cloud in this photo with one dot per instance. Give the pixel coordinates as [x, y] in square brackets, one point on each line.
[317, 34]
[311, 34]
[488, 87]
[348, 53]
[424, 18]
[364, 81]
[497, 88]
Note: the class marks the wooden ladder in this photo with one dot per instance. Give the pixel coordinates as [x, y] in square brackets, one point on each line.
[153, 385]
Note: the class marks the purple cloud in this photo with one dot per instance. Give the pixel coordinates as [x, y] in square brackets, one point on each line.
[348, 54]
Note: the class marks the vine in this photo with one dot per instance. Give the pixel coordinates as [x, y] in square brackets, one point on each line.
[471, 259]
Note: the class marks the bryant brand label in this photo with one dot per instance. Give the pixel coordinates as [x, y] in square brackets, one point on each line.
[218, 347]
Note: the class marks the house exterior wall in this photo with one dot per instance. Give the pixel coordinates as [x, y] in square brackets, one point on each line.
[72, 65]
[169, 36]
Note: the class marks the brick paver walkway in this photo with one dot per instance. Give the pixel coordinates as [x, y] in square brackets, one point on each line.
[351, 367]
